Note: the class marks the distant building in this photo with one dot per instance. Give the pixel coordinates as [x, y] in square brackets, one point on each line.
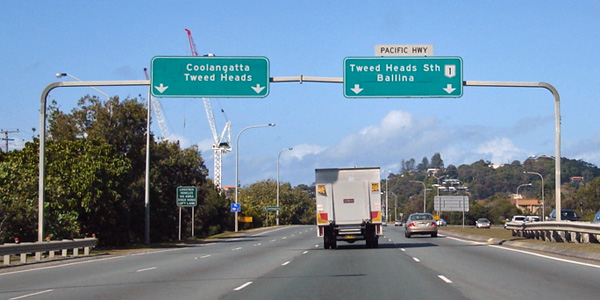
[533, 205]
[577, 179]
[229, 191]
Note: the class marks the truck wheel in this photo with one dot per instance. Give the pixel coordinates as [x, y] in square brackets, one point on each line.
[333, 244]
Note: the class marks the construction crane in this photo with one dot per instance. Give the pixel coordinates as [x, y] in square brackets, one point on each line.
[222, 143]
[158, 113]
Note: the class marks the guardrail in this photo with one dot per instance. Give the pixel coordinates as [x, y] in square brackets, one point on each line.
[557, 231]
[24, 249]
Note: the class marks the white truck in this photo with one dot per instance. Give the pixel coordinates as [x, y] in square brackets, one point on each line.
[348, 205]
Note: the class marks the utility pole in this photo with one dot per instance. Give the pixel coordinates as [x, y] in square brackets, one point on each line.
[6, 132]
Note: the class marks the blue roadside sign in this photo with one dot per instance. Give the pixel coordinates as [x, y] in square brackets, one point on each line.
[236, 207]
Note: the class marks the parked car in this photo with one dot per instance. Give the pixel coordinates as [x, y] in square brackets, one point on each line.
[596, 218]
[420, 223]
[516, 219]
[565, 215]
[534, 219]
[442, 222]
[483, 223]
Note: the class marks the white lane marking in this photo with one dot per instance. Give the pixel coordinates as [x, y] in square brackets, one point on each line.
[285, 263]
[243, 286]
[155, 251]
[272, 241]
[236, 249]
[527, 252]
[548, 257]
[29, 295]
[402, 249]
[304, 252]
[446, 280]
[256, 245]
[283, 238]
[316, 246]
[416, 259]
[146, 269]
[269, 231]
[204, 256]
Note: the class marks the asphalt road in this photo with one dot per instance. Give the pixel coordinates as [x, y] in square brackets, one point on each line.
[290, 263]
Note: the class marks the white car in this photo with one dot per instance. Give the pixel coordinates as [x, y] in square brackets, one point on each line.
[517, 219]
[442, 222]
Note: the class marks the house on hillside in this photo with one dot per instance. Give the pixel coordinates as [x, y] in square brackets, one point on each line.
[533, 205]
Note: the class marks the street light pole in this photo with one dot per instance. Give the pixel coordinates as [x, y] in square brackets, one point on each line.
[543, 200]
[424, 194]
[59, 75]
[517, 196]
[237, 147]
[279, 156]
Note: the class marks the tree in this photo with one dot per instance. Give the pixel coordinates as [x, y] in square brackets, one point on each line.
[18, 193]
[424, 165]
[296, 206]
[436, 161]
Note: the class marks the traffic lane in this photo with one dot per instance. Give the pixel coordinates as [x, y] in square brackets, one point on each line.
[497, 272]
[208, 270]
[350, 272]
[227, 268]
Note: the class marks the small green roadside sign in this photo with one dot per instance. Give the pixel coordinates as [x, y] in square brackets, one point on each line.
[390, 77]
[186, 196]
[272, 208]
[210, 76]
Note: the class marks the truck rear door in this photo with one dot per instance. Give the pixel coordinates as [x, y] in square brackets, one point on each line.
[351, 202]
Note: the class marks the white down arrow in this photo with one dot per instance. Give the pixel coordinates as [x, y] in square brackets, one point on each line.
[356, 89]
[449, 89]
[161, 88]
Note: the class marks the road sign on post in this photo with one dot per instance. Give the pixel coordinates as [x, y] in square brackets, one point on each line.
[186, 196]
[272, 208]
[210, 76]
[236, 207]
[389, 77]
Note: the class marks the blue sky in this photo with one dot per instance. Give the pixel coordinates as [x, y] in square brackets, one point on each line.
[529, 41]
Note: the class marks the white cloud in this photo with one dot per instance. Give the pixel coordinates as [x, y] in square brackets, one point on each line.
[501, 150]
[303, 150]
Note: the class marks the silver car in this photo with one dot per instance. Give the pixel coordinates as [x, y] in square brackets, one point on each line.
[420, 223]
[483, 223]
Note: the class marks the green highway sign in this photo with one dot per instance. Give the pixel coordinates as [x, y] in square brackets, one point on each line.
[390, 77]
[186, 196]
[210, 76]
[271, 208]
